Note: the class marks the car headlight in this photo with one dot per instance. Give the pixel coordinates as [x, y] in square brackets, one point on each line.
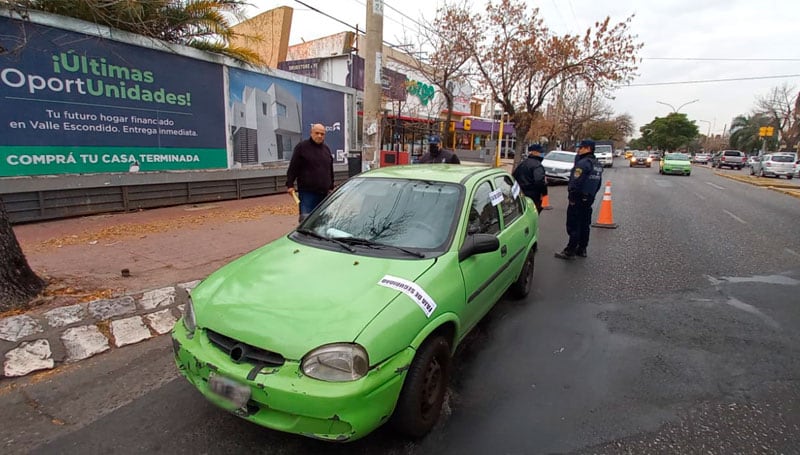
[338, 362]
[189, 320]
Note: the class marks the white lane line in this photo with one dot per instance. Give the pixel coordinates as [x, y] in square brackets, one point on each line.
[735, 217]
[792, 252]
[700, 196]
[715, 186]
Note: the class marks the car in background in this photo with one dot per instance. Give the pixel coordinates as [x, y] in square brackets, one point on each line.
[750, 160]
[629, 154]
[733, 159]
[604, 154]
[774, 165]
[557, 165]
[797, 168]
[641, 158]
[675, 163]
[655, 155]
[701, 158]
[405, 259]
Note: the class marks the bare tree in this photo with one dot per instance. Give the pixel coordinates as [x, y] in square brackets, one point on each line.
[443, 41]
[522, 62]
[781, 106]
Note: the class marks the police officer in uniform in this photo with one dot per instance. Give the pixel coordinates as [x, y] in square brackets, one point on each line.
[584, 182]
[530, 176]
[436, 154]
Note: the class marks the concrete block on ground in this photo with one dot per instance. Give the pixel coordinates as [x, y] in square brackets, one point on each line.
[15, 328]
[161, 321]
[189, 285]
[129, 331]
[157, 298]
[83, 342]
[28, 357]
[64, 316]
[107, 309]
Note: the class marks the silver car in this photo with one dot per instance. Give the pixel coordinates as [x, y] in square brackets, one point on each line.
[774, 165]
[557, 165]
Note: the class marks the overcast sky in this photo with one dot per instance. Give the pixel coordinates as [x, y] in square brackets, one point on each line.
[682, 39]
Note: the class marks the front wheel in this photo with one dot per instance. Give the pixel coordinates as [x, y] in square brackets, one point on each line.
[522, 286]
[420, 402]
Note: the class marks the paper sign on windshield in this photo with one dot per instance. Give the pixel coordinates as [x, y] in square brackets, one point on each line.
[409, 288]
[496, 197]
[515, 190]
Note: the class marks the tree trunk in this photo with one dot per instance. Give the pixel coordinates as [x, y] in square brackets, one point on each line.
[18, 283]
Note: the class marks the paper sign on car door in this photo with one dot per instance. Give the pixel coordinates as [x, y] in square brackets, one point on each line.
[409, 288]
[496, 197]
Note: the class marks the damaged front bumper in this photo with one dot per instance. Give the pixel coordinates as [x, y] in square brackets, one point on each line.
[284, 399]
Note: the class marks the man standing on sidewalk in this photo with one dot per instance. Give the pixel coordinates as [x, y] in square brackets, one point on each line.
[584, 182]
[530, 176]
[312, 166]
[436, 154]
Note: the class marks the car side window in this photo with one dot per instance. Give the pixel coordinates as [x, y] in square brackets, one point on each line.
[512, 207]
[484, 218]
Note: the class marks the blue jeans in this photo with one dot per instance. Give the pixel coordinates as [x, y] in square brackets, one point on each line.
[309, 200]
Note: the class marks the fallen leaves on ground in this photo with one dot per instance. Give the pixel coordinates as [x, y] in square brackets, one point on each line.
[119, 231]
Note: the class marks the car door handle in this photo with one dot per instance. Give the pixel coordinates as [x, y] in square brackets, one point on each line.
[527, 231]
[503, 251]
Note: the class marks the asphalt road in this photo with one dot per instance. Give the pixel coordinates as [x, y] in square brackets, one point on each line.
[678, 334]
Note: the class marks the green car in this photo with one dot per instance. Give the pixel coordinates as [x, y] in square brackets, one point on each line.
[675, 163]
[350, 321]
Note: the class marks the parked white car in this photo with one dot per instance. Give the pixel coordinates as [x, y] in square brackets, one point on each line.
[774, 165]
[557, 165]
[604, 155]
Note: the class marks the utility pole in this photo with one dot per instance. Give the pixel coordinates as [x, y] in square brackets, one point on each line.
[373, 62]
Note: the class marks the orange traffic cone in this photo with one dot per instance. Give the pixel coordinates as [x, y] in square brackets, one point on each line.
[546, 203]
[606, 217]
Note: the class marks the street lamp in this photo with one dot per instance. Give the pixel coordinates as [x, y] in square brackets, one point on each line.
[679, 107]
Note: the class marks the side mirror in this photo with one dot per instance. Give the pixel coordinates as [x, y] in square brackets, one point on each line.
[478, 244]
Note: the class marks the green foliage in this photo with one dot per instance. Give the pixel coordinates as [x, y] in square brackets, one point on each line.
[203, 24]
[744, 133]
[668, 133]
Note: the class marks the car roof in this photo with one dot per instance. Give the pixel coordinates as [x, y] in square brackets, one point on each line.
[450, 173]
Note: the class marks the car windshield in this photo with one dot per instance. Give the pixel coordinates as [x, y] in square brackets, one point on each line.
[602, 149]
[561, 156]
[783, 158]
[641, 154]
[677, 157]
[374, 213]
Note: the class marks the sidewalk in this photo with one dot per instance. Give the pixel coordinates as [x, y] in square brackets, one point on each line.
[113, 279]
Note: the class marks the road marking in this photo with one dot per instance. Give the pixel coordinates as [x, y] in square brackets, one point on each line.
[715, 186]
[792, 252]
[700, 196]
[735, 217]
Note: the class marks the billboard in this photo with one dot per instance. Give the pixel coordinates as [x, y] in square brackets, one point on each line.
[77, 103]
[269, 116]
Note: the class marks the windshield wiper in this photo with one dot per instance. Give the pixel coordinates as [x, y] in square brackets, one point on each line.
[374, 244]
[311, 233]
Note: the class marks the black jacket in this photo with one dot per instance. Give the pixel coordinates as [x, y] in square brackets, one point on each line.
[530, 176]
[312, 166]
[441, 156]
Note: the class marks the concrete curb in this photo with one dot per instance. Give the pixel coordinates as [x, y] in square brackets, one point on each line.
[38, 341]
[785, 188]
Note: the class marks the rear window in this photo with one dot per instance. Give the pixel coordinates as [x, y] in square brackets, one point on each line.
[733, 153]
[782, 158]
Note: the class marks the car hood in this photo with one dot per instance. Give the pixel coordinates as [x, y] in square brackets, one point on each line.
[290, 298]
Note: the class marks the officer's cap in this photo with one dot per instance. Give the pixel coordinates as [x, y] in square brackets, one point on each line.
[587, 143]
[535, 148]
[434, 139]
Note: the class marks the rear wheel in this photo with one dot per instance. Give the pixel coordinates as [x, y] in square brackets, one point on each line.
[522, 287]
[420, 402]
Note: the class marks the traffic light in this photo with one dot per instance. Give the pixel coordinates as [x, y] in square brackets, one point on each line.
[467, 124]
[770, 130]
[452, 126]
[766, 131]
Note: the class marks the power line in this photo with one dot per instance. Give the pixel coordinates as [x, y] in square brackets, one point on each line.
[316, 10]
[706, 81]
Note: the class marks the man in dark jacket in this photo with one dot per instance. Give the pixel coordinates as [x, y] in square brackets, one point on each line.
[584, 182]
[436, 154]
[312, 166]
[530, 176]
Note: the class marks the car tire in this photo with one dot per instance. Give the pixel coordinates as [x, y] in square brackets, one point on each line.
[421, 399]
[522, 286]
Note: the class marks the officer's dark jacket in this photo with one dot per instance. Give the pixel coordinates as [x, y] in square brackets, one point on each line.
[530, 176]
[442, 156]
[585, 179]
